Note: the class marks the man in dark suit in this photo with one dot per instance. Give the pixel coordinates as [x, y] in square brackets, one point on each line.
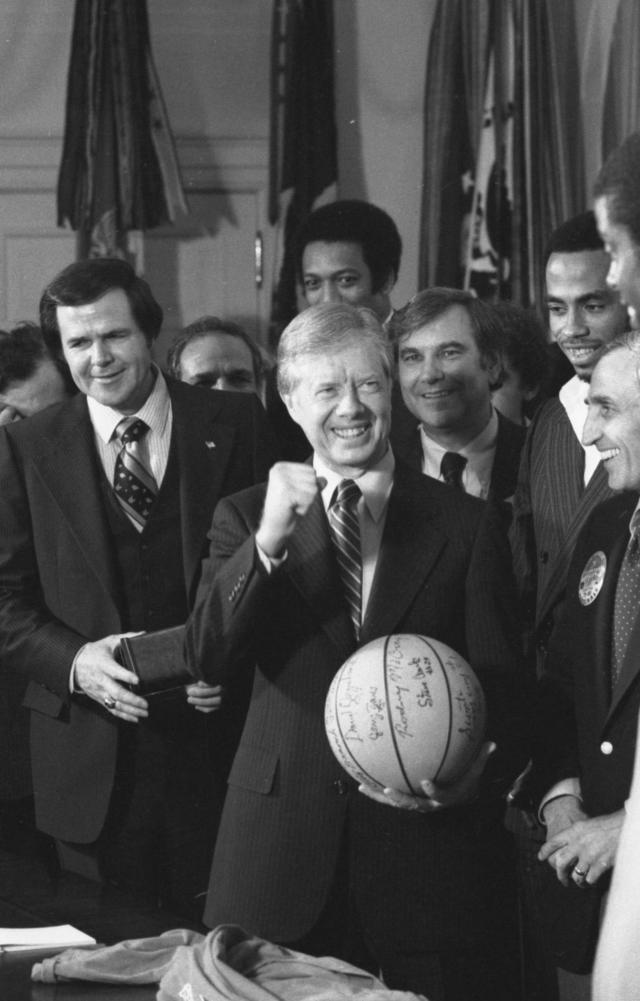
[560, 479]
[117, 778]
[419, 887]
[449, 357]
[590, 690]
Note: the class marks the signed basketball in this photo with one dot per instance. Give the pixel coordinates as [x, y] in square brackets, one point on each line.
[405, 708]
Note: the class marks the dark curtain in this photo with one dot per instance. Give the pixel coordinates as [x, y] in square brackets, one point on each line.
[303, 160]
[118, 169]
[503, 160]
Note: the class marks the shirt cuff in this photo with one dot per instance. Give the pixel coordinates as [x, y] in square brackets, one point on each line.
[270, 563]
[73, 688]
[567, 787]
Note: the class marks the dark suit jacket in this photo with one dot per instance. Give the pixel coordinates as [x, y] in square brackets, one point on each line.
[581, 729]
[57, 574]
[405, 440]
[443, 571]
[550, 507]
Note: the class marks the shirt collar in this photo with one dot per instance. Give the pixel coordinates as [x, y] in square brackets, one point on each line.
[154, 411]
[375, 484]
[483, 442]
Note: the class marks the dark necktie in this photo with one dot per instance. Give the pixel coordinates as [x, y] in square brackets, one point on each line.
[345, 532]
[627, 600]
[133, 484]
[451, 469]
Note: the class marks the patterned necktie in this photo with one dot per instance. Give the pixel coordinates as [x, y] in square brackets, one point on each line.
[345, 531]
[133, 484]
[627, 600]
[451, 469]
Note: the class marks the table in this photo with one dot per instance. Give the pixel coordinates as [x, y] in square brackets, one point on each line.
[32, 894]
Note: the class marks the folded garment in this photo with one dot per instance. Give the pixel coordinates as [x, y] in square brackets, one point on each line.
[226, 965]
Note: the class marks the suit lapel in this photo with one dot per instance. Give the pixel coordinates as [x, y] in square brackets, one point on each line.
[631, 663]
[597, 490]
[504, 472]
[312, 568]
[603, 625]
[203, 447]
[70, 469]
[411, 527]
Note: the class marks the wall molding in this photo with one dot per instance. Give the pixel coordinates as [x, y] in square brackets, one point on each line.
[31, 164]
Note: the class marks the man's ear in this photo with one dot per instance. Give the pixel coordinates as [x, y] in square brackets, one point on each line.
[494, 368]
[388, 284]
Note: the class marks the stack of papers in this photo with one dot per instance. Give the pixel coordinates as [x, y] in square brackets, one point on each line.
[54, 937]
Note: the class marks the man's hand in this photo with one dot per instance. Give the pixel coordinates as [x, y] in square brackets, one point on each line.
[99, 675]
[436, 797]
[204, 697]
[291, 491]
[8, 415]
[584, 850]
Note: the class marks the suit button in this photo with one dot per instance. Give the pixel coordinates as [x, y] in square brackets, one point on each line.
[606, 747]
[341, 787]
[544, 557]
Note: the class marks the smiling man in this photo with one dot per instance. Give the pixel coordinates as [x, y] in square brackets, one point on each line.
[448, 347]
[589, 692]
[560, 478]
[328, 555]
[119, 780]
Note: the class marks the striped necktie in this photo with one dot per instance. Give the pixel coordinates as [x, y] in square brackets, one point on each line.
[627, 600]
[345, 532]
[133, 484]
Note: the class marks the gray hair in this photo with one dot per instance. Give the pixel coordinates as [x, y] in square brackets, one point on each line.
[324, 330]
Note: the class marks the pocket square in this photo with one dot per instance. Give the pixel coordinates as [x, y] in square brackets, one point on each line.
[210, 444]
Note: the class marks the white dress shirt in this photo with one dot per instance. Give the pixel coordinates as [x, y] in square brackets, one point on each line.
[573, 397]
[479, 453]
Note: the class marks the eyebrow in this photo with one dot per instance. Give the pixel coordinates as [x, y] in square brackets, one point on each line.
[601, 293]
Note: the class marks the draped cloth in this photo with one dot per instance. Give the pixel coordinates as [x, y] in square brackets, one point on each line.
[226, 965]
[119, 170]
[503, 162]
[303, 145]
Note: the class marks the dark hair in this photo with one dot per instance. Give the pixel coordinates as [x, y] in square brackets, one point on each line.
[22, 350]
[576, 234]
[214, 325]
[354, 221]
[431, 303]
[525, 344]
[86, 281]
[619, 182]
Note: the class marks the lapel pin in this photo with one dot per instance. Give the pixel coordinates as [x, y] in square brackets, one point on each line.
[210, 444]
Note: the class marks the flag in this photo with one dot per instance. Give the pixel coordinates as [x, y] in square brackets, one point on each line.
[303, 157]
[119, 170]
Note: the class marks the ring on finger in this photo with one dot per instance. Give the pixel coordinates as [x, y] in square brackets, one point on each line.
[108, 702]
[579, 873]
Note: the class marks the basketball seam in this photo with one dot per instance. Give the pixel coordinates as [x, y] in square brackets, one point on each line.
[390, 721]
[450, 724]
[343, 739]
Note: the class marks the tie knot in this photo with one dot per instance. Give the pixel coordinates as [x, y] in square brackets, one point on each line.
[451, 468]
[131, 429]
[347, 493]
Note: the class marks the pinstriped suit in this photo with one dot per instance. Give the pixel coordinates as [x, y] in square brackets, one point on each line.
[421, 881]
[551, 505]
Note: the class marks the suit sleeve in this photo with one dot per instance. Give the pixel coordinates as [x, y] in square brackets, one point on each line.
[222, 634]
[494, 647]
[32, 641]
